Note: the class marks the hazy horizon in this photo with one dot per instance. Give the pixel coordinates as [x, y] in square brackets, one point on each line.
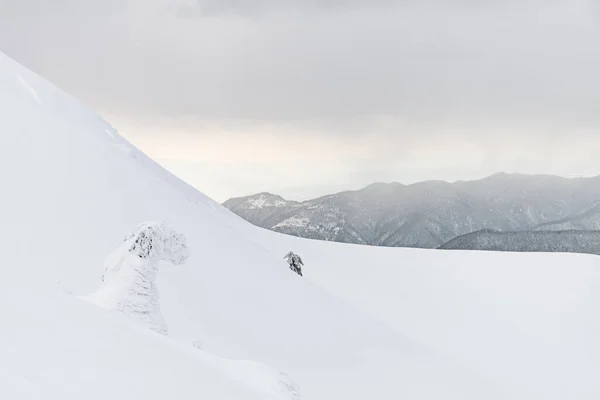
[310, 97]
[302, 193]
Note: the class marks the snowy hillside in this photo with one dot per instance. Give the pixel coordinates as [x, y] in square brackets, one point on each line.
[73, 189]
[528, 321]
[54, 347]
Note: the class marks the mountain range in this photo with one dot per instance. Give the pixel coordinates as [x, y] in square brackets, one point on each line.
[429, 214]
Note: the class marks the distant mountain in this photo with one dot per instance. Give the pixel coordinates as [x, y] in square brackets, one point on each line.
[588, 220]
[261, 209]
[429, 214]
[532, 241]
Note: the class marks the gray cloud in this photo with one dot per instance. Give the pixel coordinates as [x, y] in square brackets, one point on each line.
[53, 8]
[512, 61]
[259, 7]
[333, 67]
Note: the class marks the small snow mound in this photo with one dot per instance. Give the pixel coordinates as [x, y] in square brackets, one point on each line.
[129, 278]
[63, 288]
[274, 385]
[271, 384]
[197, 344]
[286, 387]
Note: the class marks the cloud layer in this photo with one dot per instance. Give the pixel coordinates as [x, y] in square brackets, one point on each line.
[398, 72]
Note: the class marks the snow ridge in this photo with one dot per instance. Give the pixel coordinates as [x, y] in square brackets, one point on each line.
[30, 89]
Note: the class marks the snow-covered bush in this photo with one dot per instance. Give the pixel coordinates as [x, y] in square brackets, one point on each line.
[295, 262]
[129, 278]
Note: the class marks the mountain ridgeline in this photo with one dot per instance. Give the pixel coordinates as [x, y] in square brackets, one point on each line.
[530, 241]
[430, 214]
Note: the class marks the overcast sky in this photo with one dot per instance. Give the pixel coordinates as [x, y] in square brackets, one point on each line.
[305, 97]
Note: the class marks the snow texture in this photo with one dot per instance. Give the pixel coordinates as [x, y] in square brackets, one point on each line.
[271, 384]
[527, 320]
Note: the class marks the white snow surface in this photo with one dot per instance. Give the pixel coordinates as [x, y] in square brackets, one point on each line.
[400, 324]
[54, 346]
[529, 321]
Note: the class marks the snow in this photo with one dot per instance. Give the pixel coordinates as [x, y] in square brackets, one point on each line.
[31, 90]
[293, 222]
[272, 385]
[368, 323]
[264, 200]
[68, 197]
[527, 320]
[54, 346]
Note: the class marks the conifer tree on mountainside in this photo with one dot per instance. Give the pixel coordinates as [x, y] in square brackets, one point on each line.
[295, 262]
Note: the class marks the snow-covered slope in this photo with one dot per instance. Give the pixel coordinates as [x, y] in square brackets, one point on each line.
[53, 347]
[529, 321]
[72, 188]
